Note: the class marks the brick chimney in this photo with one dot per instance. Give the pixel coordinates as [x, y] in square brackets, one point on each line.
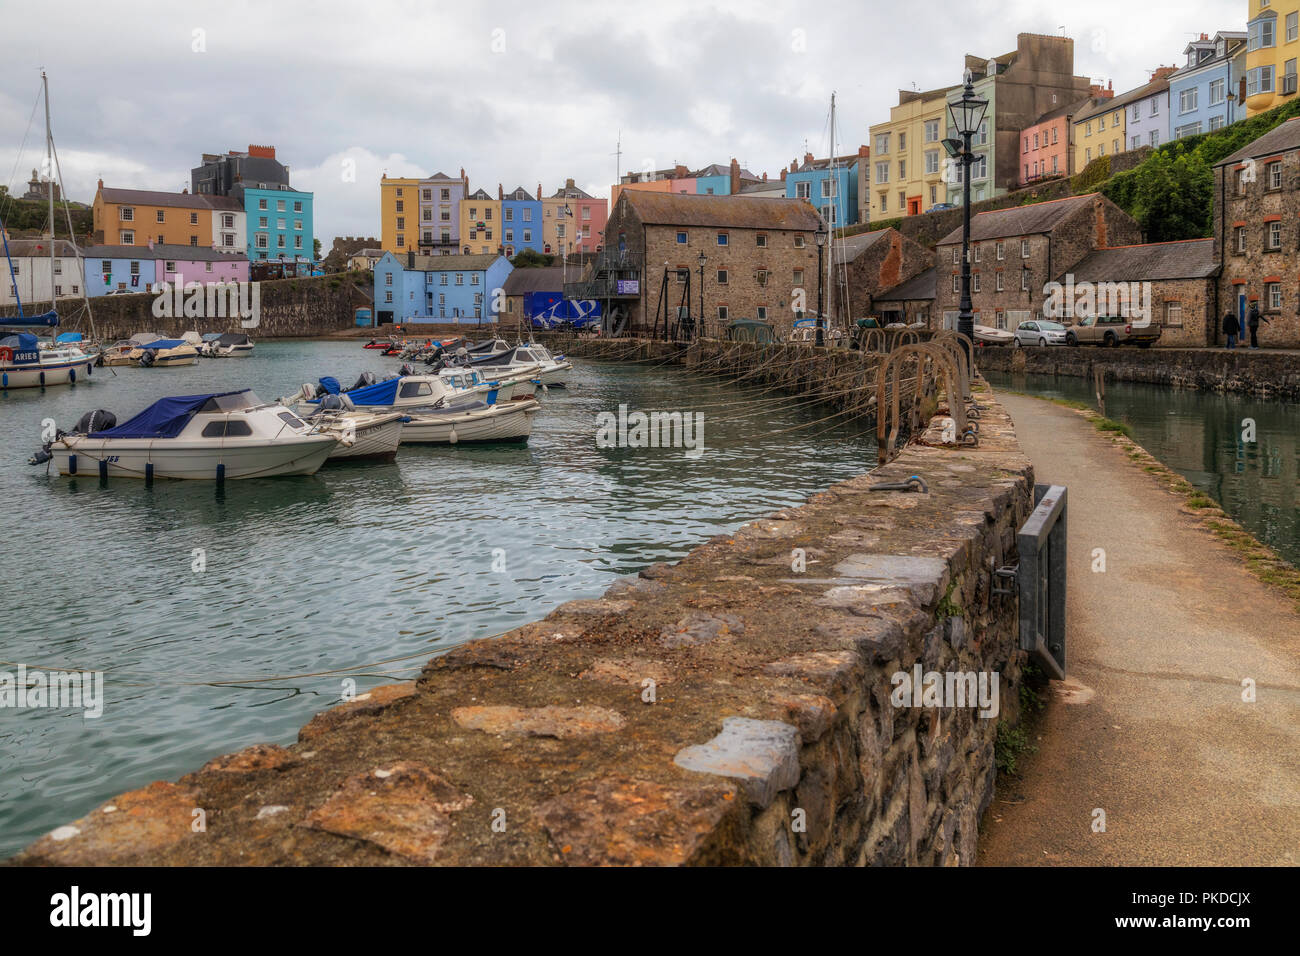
[101, 184]
[263, 152]
[783, 172]
[765, 177]
[808, 157]
[864, 151]
[539, 190]
[794, 165]
[501, 193]
[1160, 72]
[735, 176]
[569, 184]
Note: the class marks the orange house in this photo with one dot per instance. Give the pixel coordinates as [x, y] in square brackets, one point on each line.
[133, 217]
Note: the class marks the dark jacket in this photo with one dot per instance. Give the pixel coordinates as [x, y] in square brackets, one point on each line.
[1229, 324]
[1253, 317]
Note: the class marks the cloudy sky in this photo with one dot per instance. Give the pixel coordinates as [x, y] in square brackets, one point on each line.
[517, 93]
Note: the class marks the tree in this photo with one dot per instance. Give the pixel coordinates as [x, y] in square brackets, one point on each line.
[315, 249]
[531, 259]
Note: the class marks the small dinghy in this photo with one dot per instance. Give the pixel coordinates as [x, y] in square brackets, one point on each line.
[213, 436]
[475, 422]
[227, 345]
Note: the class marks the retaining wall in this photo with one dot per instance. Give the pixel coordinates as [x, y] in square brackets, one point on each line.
[290, 308]
[732, 708]
[1266, 373]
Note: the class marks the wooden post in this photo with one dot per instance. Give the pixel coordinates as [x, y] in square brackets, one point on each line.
[1099, 387]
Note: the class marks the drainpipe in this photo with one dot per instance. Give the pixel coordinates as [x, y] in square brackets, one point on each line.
[1223, 250]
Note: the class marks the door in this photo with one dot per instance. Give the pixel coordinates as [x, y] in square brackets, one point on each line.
[914, 206]
[1241, 315]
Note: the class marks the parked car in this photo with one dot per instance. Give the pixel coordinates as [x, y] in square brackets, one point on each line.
[940, 207]
[1039, 333]
[1111, 330]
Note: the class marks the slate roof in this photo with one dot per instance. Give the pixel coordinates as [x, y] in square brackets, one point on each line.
[1038, 218]
[1123, 99]
[27, 248]
[736, 212]
[117, 252]
[571, 192]
[920, 286]
[1277, 140]
[849, 249]
[1153, 261]
[149, 197]
[192, 253]
[544, 279]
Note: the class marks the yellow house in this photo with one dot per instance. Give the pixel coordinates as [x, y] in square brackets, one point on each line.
[904, 176]
[480, 224]
[136, 217]
[399, 211]
[1272, 48]
[1099, 131]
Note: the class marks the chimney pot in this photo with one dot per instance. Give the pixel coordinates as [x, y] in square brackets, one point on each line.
[807, 157]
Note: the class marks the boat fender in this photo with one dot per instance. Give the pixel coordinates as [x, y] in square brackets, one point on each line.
[103, 470]
[90, 369]
[148, 472]
[72, 376]
[4, 380]
[453, 437]
[42, 378]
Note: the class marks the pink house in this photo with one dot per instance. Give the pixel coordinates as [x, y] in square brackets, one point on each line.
[198, 264]
[1046, 151]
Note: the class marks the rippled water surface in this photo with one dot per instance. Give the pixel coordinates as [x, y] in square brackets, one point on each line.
[1200, 435]
[362, 570]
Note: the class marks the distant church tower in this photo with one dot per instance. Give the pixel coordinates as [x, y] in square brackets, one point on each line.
[39, 190]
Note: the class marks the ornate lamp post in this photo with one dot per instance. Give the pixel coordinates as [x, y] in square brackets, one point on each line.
[820, 236]
[701, 260]
[966, 115]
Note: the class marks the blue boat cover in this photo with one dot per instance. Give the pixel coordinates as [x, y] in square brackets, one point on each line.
[50, 319]
[20, 341]
[67, 337]
[330, 384]
[381, 393]
[165, 418]
[165, 344]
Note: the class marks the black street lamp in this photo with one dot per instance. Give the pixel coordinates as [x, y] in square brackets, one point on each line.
[701, 260]
[820, 236]
[966, 114]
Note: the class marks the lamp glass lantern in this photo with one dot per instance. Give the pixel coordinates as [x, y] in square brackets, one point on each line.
[820, 236]
[702, 260]
[968, 112]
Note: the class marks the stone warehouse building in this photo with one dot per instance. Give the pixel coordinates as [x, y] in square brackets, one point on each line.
[871, 262]
[1015, 252]
[759, 257]
[908, 302]
[1257, 232]
[1183, 286]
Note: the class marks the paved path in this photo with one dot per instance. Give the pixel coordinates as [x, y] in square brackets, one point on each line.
[1151, 727]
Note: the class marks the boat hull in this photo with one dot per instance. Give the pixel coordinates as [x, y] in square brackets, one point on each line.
[374, 442]
[132, 458]
[36, 376]
[512, 422]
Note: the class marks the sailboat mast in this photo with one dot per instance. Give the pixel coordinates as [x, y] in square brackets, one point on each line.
[49, 177]
[830, 259]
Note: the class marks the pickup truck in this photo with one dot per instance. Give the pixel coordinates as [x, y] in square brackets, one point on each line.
[1111, 330]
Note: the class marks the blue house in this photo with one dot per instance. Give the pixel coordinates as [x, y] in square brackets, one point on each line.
[119, 269]
[279, 223]
[1202, 95]
[521, 222]
[833, 192]
[441, 289]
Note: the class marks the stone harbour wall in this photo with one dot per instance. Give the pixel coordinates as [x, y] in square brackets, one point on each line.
[289, 308]
[731, 708]
[1269, 374]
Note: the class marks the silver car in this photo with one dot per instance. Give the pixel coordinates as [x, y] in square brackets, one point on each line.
[1039, 333]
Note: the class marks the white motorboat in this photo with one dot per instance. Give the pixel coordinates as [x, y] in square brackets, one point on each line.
[476, 422]
[164, 353]
[468, 381]
[368, 434]
[227, 345]
[409, 391]
[531, 359]
[214, 436]
[987, 335]
[26, 362]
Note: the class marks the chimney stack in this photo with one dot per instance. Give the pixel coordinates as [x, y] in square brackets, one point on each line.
[735, 176]
[410, 259]
[539, 190]
[808, 157]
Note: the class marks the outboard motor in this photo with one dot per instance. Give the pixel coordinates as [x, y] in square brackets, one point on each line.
[406, 369]
[347, 403]
[436, 365]
[367, 378]
[96, 421]
[331, 403]
[147, 357]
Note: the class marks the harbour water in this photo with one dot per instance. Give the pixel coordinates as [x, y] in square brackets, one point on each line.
[227, 616]
[1201, 436]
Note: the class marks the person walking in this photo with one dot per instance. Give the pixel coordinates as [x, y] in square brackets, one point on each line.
[1230, 329]
[1252, 323]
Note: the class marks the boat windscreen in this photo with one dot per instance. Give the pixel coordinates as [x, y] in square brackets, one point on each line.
[233, 338]
[231, 401]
